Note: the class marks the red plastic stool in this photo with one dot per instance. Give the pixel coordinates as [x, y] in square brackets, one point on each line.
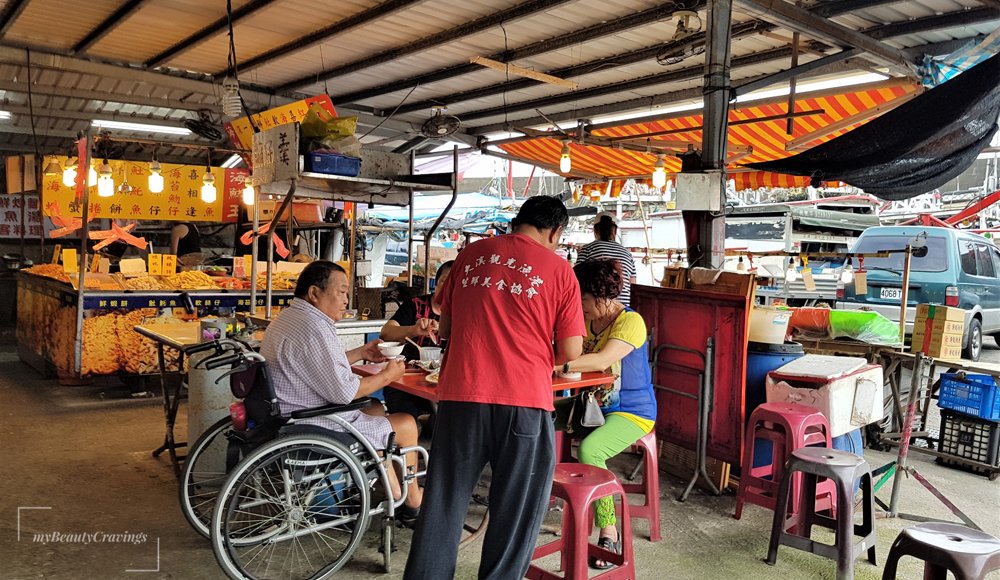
[579, 485]
[650, 486]
[788, 426]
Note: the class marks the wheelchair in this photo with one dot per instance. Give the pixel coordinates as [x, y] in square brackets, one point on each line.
[282, 499]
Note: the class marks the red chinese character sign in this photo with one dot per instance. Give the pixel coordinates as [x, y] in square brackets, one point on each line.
[180, 199]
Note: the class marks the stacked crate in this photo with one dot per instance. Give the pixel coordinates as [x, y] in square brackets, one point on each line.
[970, 419]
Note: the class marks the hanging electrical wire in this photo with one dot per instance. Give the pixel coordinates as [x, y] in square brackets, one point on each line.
[232, 65]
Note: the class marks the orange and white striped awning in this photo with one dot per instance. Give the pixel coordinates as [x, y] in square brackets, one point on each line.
[756, 133]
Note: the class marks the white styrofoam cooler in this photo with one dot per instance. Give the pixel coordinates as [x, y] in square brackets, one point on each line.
[847, 390]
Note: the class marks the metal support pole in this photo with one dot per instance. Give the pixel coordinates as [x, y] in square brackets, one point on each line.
[904, 442]
[84, 234]
[905, 297]
[409, 229]
[270, 246]
[429, 235]
[253, 250]
[709, 240]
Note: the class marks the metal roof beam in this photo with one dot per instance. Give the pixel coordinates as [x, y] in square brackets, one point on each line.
[936, 22]
[418, 141]
[991, 3]
[689, 73]
[89, 116]
[107, 25]
[10, 14]
[72, 93]
[793, 72]
[576, 37]
[805, 22]
[739, 31]
[339, 27]
[480, 24]
[835, 7]
[207, 32]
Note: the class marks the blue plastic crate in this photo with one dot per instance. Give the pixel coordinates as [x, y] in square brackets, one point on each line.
[976, 395]
[333, 164]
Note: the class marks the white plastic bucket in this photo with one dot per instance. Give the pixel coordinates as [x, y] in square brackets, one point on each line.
[769, 324]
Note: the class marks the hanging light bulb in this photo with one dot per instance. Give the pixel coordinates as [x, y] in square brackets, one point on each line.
[791, 274]
[565, 162]
[155, 179]
[740, 266]
[231, 104]
[248, 192]
[52, 168]
[659, 172]
[105, 184]
[208, 192]
[125, 188]
[91, 177]
[847, 273]
[69, 174]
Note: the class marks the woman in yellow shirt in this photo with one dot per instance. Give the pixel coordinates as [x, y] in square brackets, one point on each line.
[616, 344]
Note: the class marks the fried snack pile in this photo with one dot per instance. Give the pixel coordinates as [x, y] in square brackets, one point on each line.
[100, 345]
[142, 283]
[100, 283]
[277, 282]
[54, 271]
[192, 280]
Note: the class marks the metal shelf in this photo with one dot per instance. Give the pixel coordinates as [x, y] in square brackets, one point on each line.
[341, 188]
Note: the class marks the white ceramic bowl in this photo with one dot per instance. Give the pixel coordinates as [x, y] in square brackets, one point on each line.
[389, 349]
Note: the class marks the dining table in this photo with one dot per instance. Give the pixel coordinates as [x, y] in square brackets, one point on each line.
[414, 381]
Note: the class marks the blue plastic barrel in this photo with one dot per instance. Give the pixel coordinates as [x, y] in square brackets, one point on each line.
[763, 358]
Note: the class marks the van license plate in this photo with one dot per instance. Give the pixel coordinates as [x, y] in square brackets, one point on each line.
[891, 293]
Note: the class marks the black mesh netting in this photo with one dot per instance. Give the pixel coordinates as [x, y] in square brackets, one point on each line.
[913, 148]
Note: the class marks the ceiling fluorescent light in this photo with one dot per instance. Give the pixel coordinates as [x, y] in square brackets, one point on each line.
[140, 127]
[4, 115]
[232, 161]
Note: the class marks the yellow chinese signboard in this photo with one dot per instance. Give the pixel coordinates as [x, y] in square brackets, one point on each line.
[180, 199]
[241, 132]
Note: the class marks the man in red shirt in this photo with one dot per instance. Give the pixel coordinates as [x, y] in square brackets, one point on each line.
[505, 299]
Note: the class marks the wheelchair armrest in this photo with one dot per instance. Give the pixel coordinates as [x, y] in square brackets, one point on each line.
[331, 409]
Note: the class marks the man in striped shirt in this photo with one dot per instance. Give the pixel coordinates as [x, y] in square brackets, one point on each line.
[605, 247]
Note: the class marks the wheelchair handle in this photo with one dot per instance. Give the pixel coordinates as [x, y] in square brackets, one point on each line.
[222, 361]
[203, 347]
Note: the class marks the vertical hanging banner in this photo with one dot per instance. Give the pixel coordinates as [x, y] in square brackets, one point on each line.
[276, 154]
[11, 225]
[180, 199]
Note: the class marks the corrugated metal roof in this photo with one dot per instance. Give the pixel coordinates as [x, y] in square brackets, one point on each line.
[73, 88]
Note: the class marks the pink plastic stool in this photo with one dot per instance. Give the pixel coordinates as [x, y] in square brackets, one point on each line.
[788, 426]
[579, 485]
[649, 487]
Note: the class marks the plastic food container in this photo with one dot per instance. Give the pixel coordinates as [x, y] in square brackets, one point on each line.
[430, 353]
[769, 325]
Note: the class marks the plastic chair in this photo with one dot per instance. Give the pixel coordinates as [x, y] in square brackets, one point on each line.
[649, 510]
[843, 469]
[579, 485]
[966, 553]
[788, 426]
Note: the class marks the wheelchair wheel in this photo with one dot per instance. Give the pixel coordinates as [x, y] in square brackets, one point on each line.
[296, 507]
[203, 474]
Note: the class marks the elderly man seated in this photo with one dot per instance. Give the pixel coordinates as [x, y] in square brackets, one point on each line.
[310, 368]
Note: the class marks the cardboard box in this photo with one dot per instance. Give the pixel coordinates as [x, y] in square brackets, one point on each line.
[938, 326]
[943, 352]
[935, 341]
[938, 312]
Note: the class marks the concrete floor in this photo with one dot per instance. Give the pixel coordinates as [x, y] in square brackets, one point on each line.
[79, 462]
